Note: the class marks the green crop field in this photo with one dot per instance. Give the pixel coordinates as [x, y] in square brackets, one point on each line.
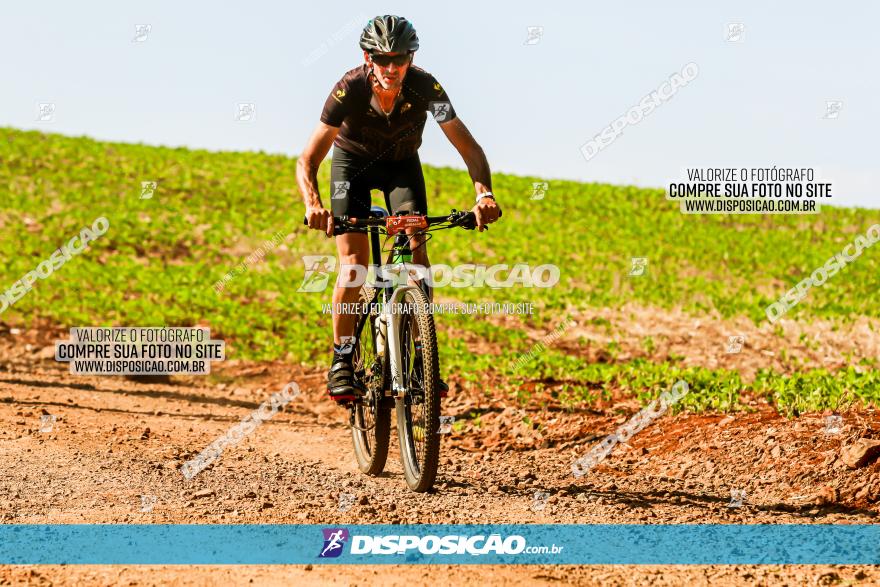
[159, 261]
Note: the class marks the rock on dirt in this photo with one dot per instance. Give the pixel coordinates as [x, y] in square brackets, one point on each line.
[47, 352]
[826, 495]
[861, 453]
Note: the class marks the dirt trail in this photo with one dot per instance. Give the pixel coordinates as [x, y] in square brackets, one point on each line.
[114, 441]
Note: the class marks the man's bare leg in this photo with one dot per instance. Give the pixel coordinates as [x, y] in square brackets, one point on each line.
[352, 249]
[353, 254]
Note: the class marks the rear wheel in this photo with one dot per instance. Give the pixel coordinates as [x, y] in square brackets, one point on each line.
[418, 412]
[370, 417]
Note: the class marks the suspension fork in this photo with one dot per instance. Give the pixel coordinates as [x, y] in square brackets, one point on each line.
[394, 349]
[392, 319]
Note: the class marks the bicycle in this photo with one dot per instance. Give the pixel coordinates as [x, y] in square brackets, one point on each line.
[395, 353]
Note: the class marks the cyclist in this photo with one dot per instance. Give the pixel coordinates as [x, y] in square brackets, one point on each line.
[374, 118]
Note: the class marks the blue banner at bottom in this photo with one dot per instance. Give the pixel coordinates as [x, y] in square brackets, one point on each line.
[698, 544]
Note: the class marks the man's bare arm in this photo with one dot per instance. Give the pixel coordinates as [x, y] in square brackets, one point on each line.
[307, 166]
[486, 210]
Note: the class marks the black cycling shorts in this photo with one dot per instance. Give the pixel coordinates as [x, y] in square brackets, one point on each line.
[352, 178]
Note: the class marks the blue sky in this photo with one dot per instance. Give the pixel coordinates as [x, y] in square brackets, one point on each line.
[760, 101]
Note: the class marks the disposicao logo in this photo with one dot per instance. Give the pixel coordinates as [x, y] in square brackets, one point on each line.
[334, 541]
[413, 547]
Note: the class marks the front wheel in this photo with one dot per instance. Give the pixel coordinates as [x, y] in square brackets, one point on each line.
[418, 412]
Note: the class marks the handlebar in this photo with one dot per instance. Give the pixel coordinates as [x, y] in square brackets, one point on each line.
[395, 224]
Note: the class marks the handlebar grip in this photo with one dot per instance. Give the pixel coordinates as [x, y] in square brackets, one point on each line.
[472, 220]
[337, 230]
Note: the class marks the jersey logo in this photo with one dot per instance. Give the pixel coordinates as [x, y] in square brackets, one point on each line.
[338, 95]
[438, 89]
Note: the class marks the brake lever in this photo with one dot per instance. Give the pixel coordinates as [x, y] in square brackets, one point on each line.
[460, 215]
[457, 219]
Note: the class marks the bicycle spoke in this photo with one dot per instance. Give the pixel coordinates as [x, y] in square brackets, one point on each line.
[370, 425]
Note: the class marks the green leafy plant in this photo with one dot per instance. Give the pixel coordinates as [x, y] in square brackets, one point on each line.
[159, 261]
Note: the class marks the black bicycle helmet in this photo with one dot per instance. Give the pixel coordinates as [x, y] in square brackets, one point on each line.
[389, 34]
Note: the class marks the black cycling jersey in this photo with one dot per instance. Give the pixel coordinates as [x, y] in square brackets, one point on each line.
[367, 132]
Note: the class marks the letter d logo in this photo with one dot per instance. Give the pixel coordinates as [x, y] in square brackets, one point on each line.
[318, 269]
[774, 311]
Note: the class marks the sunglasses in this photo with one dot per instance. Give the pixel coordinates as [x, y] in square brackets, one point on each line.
[386, 60]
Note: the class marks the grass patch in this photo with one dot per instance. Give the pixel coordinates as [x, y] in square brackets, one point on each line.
[161, 257]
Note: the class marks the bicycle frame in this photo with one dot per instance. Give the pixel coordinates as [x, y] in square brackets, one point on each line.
[392, 319]
[393, 348]
[418, 416]
[391, 294]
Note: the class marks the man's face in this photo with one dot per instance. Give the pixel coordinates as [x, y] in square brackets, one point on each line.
[388, 69]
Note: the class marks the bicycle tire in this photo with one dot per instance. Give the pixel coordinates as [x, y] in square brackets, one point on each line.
[371, 432]
[419, 466]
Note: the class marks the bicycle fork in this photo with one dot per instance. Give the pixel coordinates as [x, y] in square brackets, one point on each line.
[401, 255]
[394, 345]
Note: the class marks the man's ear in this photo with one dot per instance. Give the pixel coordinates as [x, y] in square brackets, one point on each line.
[366, 57]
